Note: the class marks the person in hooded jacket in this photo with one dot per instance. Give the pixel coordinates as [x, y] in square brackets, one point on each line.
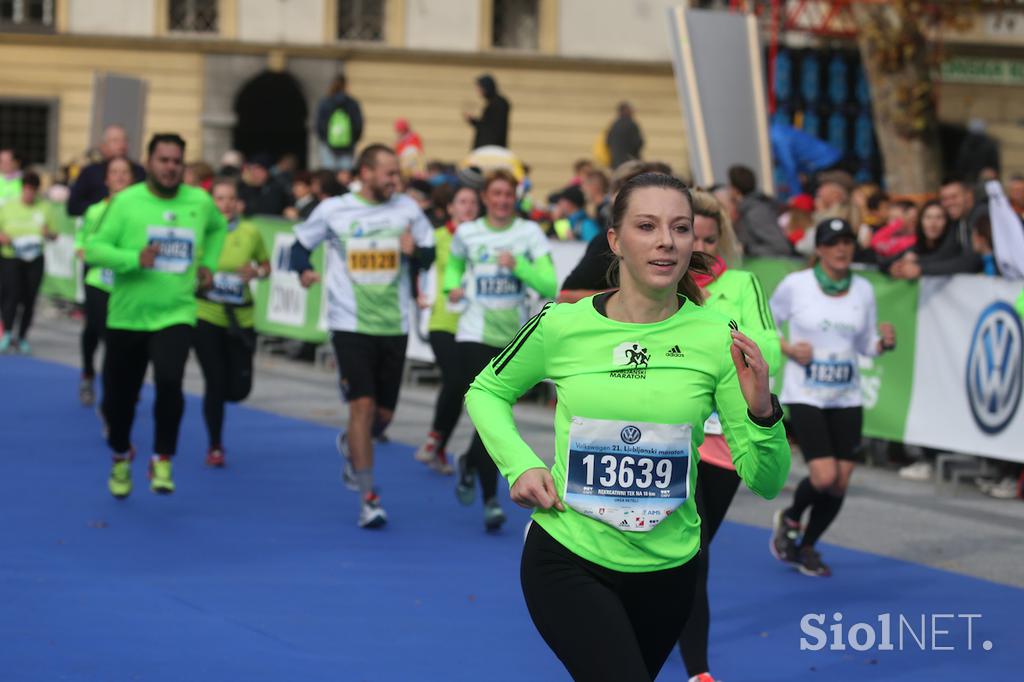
[339, 126]
[492, 124]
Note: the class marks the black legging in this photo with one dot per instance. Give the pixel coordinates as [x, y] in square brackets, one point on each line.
[225, 356]
[124, 369]
[19, 287]
[95, 326]
[715, 489]
[603, 624]
[474, 357]
[448, 407]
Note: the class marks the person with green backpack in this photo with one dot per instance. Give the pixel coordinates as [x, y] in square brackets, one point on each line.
[339, 127]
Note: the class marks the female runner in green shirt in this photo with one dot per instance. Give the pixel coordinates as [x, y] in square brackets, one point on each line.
[25, 222]
[224, 337]
[607, 568]
[737, 295]
[98, 281]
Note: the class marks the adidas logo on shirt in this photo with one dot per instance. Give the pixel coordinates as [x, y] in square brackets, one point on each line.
[674, 352]
[624, 523]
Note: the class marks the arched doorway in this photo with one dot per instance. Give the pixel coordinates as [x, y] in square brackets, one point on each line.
[271, 117]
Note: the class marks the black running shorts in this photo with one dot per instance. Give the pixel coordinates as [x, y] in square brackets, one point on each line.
[370, 366]
[827, 432]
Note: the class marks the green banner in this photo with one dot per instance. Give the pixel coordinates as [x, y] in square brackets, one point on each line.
[63, 269]
[886, 381]
[281, 307]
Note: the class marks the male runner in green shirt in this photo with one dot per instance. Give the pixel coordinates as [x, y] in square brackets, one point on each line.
[158, 237]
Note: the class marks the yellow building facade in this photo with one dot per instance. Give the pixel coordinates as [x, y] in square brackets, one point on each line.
[563, 84]
[563, 64]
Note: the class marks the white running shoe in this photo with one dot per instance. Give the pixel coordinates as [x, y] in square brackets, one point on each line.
[1006, 489]
[428, 450]
[371, 514]
[918, 471]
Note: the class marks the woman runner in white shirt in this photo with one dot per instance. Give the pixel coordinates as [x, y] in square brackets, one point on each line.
[832, 320]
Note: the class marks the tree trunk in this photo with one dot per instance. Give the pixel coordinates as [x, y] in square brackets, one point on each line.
[895, 56]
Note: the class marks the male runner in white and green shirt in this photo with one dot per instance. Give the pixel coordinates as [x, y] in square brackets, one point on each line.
[372, 236]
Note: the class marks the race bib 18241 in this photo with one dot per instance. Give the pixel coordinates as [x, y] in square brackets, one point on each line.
[630, 475]
[176, 248]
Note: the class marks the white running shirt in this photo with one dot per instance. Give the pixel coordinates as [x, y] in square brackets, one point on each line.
[496, 298]
[838, 328]
[368, 284]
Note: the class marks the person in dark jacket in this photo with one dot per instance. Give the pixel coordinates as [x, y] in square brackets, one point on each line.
[338, 134]
[624, 139]
[261, 194]
[758, 225]
[978, 156]
[91, 185]
[492, 124]
[937, 250]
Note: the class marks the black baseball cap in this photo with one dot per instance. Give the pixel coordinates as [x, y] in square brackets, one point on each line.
[574, 195]
[831, 230]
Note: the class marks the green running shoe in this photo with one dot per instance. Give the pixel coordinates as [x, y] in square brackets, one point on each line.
[160, 480]
[494, 517]
[120, 481]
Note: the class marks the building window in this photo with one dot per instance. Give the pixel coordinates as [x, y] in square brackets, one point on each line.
[30, 16]
[361, 20]
[515, 24]
[25, 128]
[192, 16]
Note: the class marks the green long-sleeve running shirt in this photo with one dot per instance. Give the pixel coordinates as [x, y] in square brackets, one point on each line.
[101, 278]
[632, 401]
[738, 295]
[189, 231]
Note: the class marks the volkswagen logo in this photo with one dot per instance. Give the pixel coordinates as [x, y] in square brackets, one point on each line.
[994, 367]
[630, 435]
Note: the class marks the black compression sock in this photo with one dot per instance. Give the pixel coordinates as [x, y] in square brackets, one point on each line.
[824, 511]
[805, 495]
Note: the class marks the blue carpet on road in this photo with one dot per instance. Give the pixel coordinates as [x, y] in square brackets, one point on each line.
[258, 571]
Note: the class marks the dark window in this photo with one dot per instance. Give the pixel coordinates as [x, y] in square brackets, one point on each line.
[25, 128]
[193, 16]
[30, 16]
[361, 20]
[515, 24]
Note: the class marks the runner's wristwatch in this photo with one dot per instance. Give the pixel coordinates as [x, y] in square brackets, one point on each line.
[770, 420]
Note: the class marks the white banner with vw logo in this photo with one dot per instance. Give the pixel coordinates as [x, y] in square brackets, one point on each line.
[968, 368]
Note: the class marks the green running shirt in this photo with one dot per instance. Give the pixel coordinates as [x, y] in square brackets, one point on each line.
[243, 245]
[442, 319]
[190, 231]
[24, 224]
[738, 295]
[100, 278]
[617, 383]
